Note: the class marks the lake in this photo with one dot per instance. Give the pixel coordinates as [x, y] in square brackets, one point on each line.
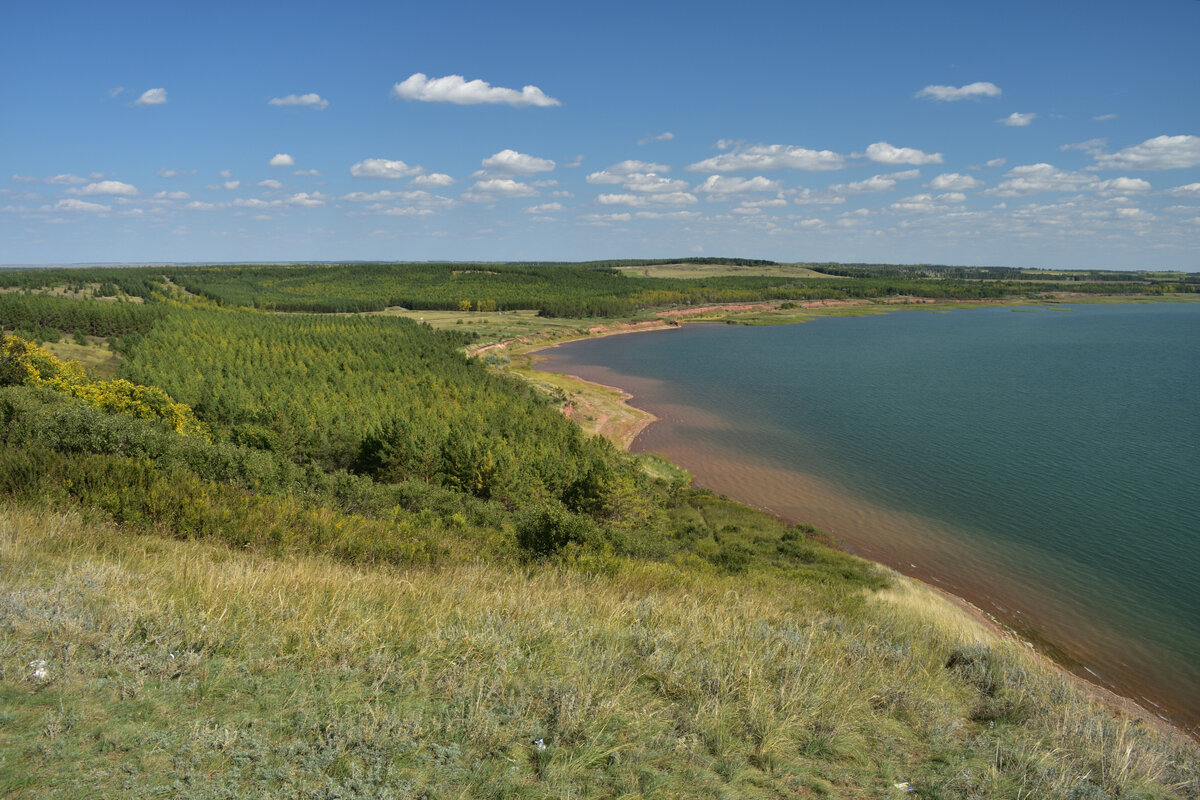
[1042, 464]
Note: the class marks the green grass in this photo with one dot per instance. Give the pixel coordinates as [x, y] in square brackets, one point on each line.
[190, 670]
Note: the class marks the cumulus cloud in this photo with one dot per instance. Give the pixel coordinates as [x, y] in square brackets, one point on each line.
[717, 184]
[433, 179]
[106, 187]
[510, 162]
[455, 89]
[645, 200]
[545, 208]
[1017, 120]
[414, 198]
[996, 162]
[55, 180]
[954, 182]
[1092, 146]
[619, 173]
[164, 195]
[306, 200]
[1104, 117]
[485, 191]
[971, 90]
[1161, 152]
[1037, 178]
[311, 100]
[282, 160]
[925, 203]
[884, 153]
[762, 157]
[271, 183]
[876, 183]
[1187, 190]
[173, 173]
[1121, 186]
[152, 97]
[662, 137]
[384, 168]
[605, 219]
[71, 204]
[232, 184]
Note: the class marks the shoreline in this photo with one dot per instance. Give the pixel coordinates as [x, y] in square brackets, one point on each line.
[1119, 703]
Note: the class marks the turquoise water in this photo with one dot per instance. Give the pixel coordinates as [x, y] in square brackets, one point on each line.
[1043, 465]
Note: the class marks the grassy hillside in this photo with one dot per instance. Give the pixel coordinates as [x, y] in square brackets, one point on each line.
[186, 669]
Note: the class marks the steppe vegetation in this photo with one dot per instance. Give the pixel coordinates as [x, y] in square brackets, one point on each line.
[272, 554]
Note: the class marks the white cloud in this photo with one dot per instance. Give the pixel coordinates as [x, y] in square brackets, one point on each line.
[71, 204]
[282, 160]
[172, 196]
[996, 162]
[662, 137]
[414, 198]
[544, 208]
[1017, 120]
[1093, 146]
[1104, 117]
[971, 90]
[671, 215]
[1121, 186]
[106, 187]
[1161, 152]
[433, 179]
[605, 219]
[510, 162]
[716, 184]
[310, 100]
[771, 202]
[226, 173]
[1187, 190]
[953, 181]
[620, 173]
[923, 203]
[307, 200]
[384, 168]
[152, 97]
[645, 200]
[303, 172]
[762, 157]
[25, 178]
[488, 190]
[64, 180]
[200, 205]
[455, 89]
[116, 90]
[271, 183]
[1036, 178]
[173, 173]
[254, 202]
[876, 183]
[232, 184]
[884, 153]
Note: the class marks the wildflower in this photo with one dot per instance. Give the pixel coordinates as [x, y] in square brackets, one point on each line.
[40, 674]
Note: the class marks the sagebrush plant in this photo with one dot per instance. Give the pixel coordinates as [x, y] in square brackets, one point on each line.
[193, 670]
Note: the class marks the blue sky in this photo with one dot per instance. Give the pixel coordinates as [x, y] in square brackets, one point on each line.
[1058, 135]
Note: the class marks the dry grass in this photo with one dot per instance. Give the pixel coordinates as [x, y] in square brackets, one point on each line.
[195, 671]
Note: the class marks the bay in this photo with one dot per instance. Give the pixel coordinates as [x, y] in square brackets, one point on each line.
[1042, 465]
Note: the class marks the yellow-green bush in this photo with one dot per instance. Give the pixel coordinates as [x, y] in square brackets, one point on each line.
[24, 363]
